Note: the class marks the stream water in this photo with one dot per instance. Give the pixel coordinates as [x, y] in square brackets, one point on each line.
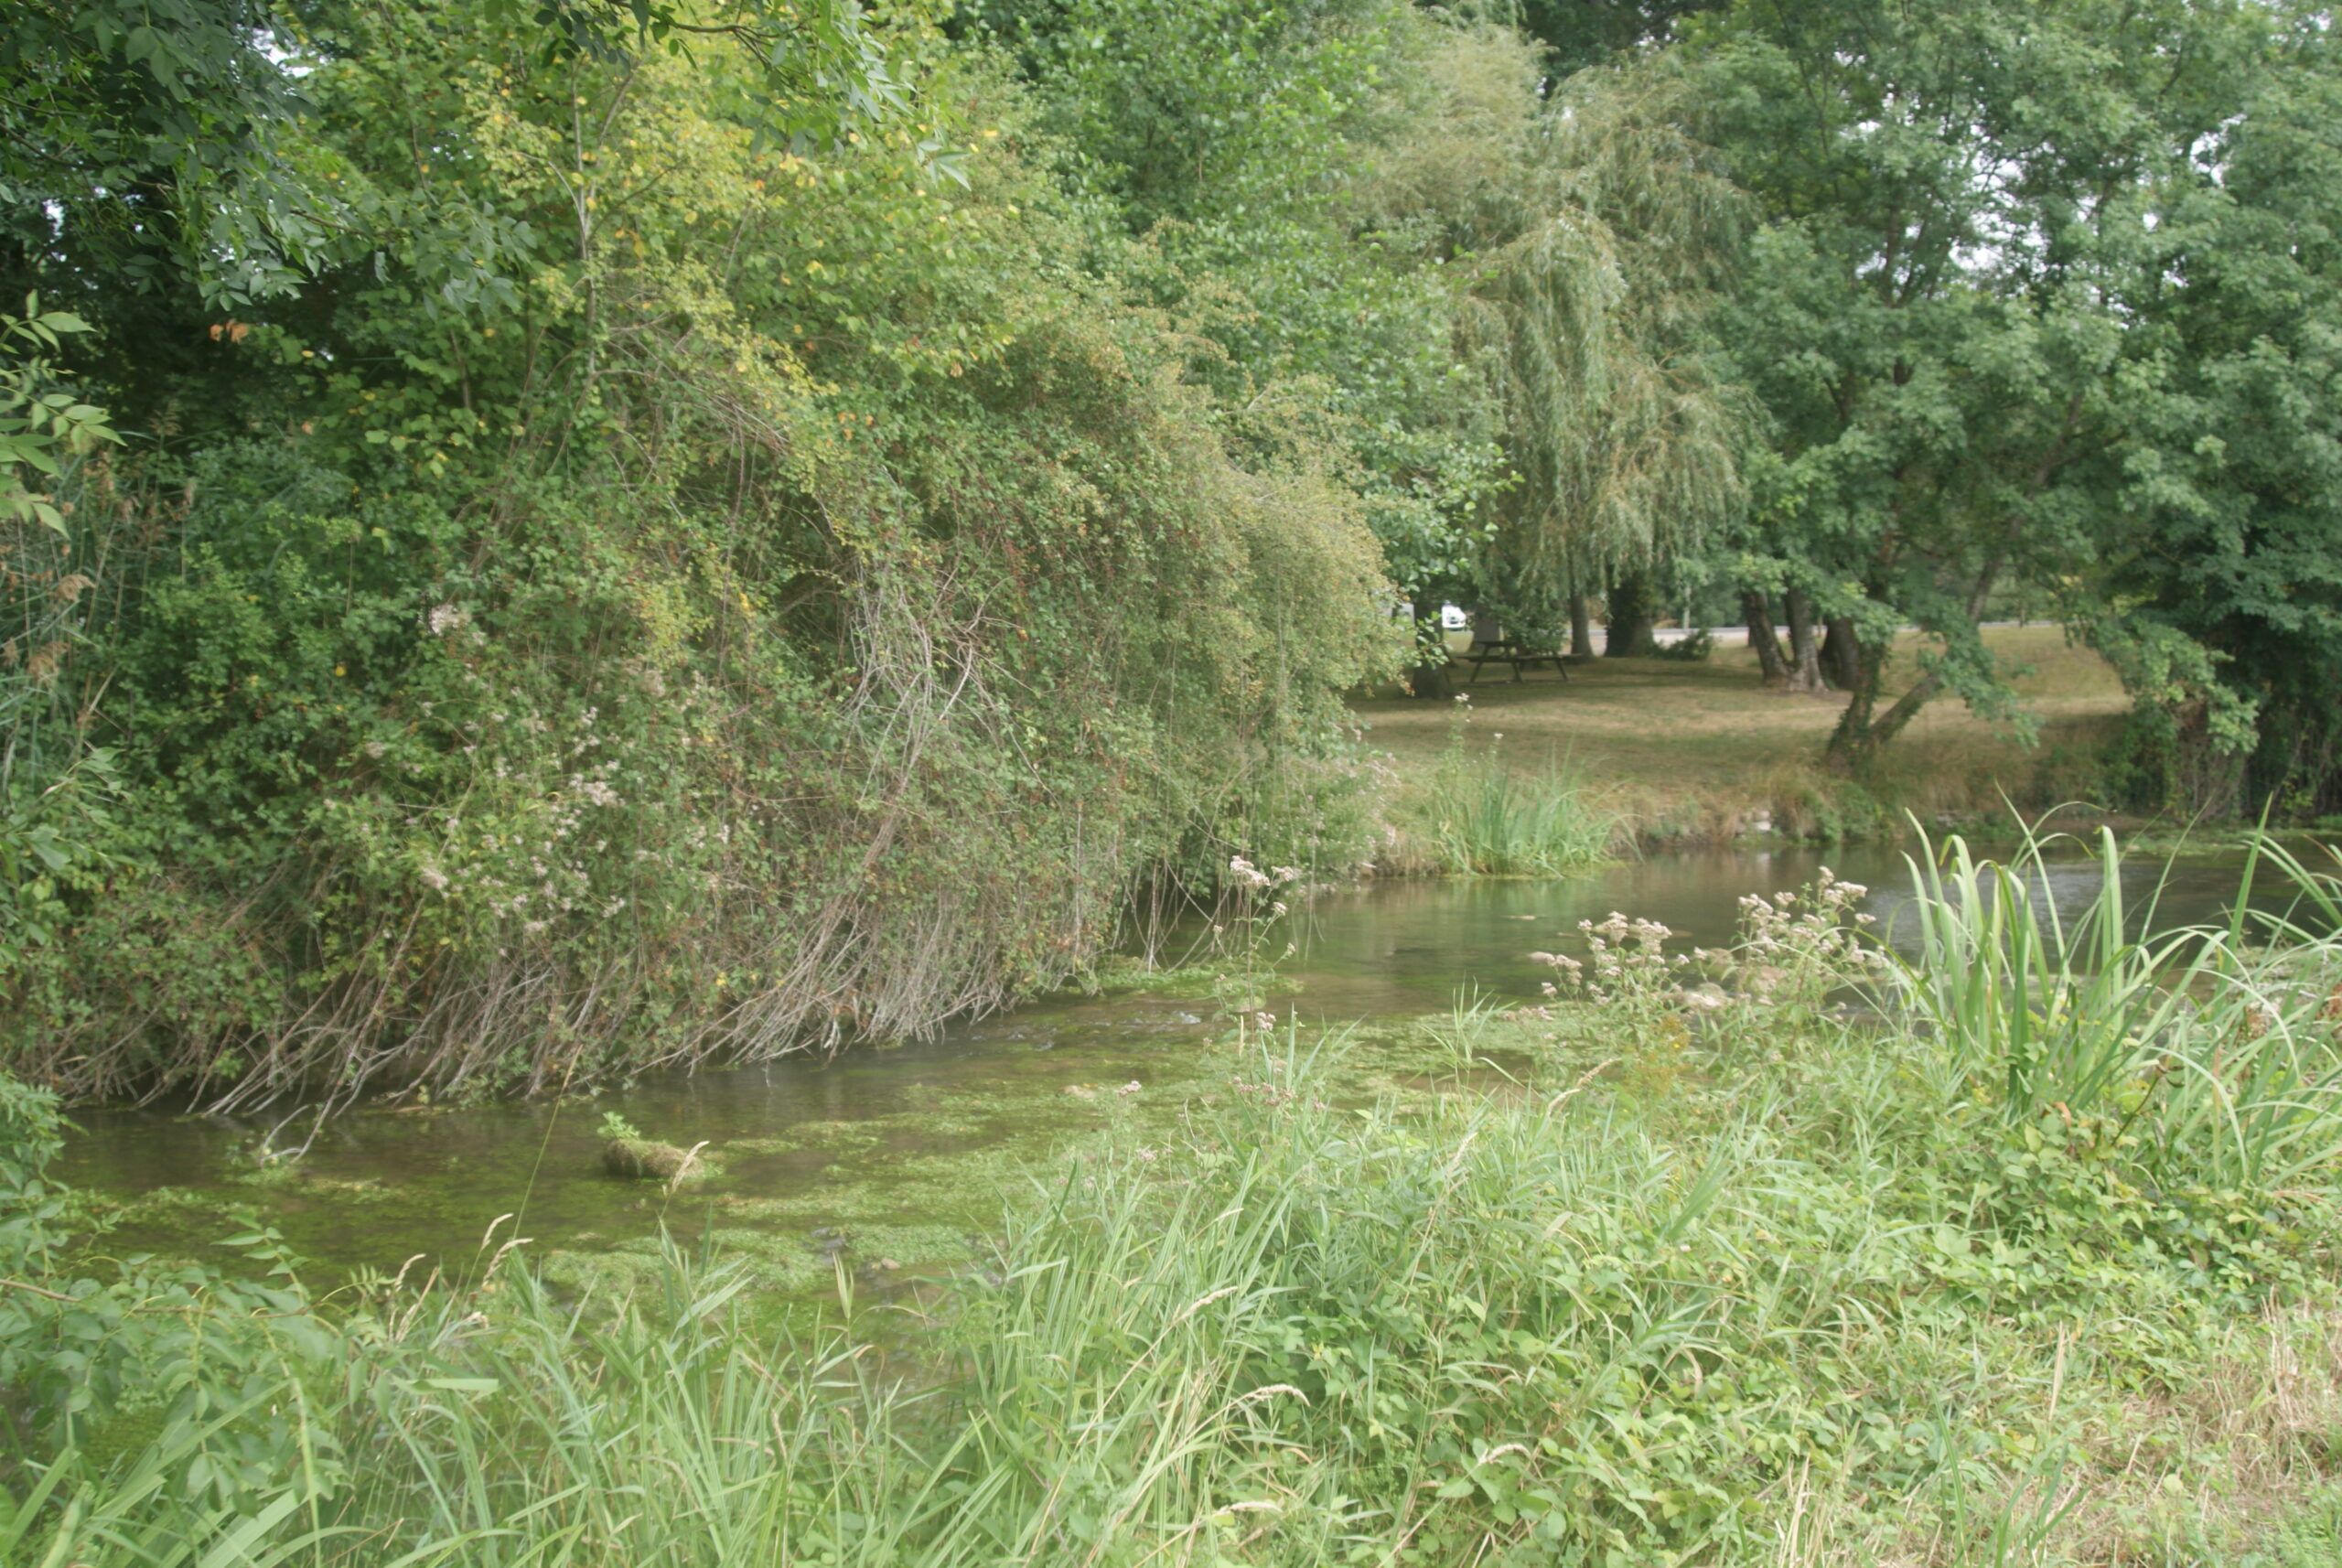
[895, 1154]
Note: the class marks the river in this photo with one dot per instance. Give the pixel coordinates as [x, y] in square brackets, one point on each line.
[905, 1149]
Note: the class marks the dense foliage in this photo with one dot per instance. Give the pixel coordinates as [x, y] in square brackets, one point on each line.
[544, 539]
[547, 537]
[2033, 307]
[662, 593]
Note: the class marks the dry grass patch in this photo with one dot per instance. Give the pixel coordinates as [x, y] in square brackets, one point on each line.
[2230, 1465]
[1700, 749]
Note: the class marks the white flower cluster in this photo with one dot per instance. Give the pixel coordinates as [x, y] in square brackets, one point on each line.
[1624, 959]
[1247, 875]
[1804, 944]
[1795, 948]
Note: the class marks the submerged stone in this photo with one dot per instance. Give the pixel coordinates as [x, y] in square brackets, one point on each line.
[644, 1160]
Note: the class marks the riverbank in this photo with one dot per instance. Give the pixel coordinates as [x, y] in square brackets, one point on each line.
[1534, 779]
[1674, 1265]
[895, 1151]
[1669, 751]
[900, 1152]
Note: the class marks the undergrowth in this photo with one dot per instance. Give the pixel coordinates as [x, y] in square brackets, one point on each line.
[1478, 817]
[2027, 1256]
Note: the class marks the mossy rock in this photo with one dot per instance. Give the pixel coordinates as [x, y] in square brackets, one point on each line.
[643, 1160]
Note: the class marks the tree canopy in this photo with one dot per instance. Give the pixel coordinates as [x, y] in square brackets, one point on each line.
[2001, 272]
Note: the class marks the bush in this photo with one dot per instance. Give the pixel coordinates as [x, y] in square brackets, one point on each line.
[1695, 649]
[688, 662]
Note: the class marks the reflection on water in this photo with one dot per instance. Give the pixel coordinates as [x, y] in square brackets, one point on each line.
[379, 1186]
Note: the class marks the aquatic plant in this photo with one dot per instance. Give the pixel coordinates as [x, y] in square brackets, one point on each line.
[1476, 817]
[2202, 1050]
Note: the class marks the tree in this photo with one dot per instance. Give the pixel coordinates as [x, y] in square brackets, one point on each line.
[1935, 313]
[142, 143]
[2216, 583]
[1582, 33]
[1592, 235]
[2041, 300]
[151, 175]
[1239, 148]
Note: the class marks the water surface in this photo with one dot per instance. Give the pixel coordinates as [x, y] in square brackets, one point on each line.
[904, 1148]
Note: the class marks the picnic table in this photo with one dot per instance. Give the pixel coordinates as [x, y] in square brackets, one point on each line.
[1489, 642]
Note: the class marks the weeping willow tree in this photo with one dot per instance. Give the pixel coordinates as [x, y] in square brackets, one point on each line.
[1595, 235]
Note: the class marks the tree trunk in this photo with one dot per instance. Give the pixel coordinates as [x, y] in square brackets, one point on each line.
[1631, 615]
[1757, 607]
[1805, 659]
[1429, 676]
[1581, 628]
[2201, 779]
[1854, 744]
[1841, 653]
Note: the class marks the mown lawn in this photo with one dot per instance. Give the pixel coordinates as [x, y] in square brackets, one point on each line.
[1701, 748]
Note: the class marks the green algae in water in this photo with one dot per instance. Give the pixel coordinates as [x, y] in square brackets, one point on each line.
[1227, 984]
[921, 1189]
[908, 1152]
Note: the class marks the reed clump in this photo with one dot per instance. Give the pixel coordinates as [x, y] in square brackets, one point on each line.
[1474, 815]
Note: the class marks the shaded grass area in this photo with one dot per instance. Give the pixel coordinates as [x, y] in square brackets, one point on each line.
[2026, 1260]
[1678, 749]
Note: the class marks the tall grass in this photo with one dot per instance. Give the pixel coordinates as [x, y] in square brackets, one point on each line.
[1827, 1295]
[1328, 1339]
[1472, 815]
[1489, 821]
[2214, 1046]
